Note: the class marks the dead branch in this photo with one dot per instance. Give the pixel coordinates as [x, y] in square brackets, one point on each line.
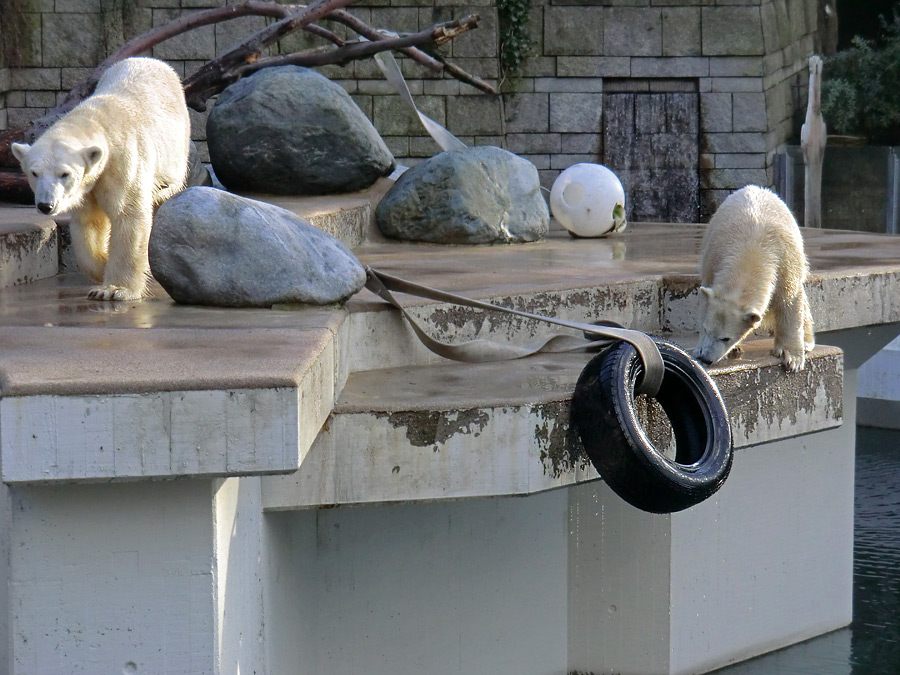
[414, 53]
[146, 41]
[218, 73]
[437, 34]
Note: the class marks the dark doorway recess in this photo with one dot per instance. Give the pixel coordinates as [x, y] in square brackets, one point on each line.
[650, 140]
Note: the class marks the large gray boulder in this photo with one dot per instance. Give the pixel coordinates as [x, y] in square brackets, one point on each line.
[292, 131]
[481, 195]
[197, 174]
[210, 247]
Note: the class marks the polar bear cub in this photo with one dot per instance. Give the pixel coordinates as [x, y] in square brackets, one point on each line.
[110, 161]
[752, 270]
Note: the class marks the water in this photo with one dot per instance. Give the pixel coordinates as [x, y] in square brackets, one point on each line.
[871, 644]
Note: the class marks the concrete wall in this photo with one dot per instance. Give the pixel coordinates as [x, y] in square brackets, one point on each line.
[747, 60]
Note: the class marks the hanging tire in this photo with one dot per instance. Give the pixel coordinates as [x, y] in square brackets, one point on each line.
[604, 414]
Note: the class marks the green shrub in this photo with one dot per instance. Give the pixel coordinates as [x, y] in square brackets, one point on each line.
[861, 86]
[840, 106]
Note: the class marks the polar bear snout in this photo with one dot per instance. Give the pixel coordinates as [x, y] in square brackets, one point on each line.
[702, 357]
[710, 351]
[50, 195]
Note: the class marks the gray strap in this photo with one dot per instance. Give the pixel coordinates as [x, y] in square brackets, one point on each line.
[476, 351]
[392, 74]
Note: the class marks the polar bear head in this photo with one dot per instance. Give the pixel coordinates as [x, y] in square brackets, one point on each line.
[60, 173]
[724, 322]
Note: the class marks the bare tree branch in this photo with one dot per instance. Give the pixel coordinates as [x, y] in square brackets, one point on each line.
[146, 41]
[437, 34]
[415, 54]
[220, 69]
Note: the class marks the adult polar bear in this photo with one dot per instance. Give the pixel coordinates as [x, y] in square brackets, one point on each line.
[752, 270]
[110, 161]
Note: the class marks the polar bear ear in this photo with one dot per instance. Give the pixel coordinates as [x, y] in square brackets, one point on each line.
[752, 317]
[92, 156]
[707, 291]
[20, 150]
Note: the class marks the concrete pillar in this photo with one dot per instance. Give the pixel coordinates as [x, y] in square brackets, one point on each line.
[764, 563]
[113, 578]
[474, 586]
[145, 577]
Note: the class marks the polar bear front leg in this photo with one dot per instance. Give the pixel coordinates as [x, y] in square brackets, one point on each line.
[128, 268]
[89, 229]
[790, 347]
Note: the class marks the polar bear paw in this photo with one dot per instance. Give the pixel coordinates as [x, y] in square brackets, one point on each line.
[735, 352]
[790, 361]
[108, 292]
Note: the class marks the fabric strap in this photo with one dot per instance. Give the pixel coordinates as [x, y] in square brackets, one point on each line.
[477, 351]
[392, 74]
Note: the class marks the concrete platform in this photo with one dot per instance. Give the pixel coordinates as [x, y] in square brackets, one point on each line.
[59, 345]
[421, 432]
[267, 416]
[28, 246]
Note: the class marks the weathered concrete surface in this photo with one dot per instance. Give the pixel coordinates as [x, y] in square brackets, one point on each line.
[638, 279]
[761, 537]
[28, 246]
[422, 432]
[632, 303]
[349, 217]
[879, 389]
[89, 392]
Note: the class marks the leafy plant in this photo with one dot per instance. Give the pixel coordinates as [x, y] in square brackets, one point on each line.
[860, 92]
[840, 106]
[516, 44]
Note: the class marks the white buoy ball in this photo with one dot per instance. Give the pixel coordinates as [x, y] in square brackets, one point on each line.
[588, 200]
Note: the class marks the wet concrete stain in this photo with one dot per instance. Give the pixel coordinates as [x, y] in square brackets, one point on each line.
[679, 287]
[561, 450]
[635, 303]
[776, 398]
[31, 246]
[433, 428]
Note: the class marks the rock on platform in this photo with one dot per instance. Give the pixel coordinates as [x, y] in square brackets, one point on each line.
[210, 247]
[291, 131]
[482, 195]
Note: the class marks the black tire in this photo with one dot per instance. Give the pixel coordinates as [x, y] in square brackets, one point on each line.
[603, 412]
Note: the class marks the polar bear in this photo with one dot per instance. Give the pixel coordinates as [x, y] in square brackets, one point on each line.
[752, 270]
[110, 161]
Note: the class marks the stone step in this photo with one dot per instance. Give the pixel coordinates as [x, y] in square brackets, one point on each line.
[28, 246]
[452, 430]
[349, 217]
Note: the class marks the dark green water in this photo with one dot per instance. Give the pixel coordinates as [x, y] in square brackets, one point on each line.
[871, 645]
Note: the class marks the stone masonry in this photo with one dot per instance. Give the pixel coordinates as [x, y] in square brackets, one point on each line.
[744, 59]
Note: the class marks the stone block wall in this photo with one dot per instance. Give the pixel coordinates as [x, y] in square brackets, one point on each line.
[746, 59]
